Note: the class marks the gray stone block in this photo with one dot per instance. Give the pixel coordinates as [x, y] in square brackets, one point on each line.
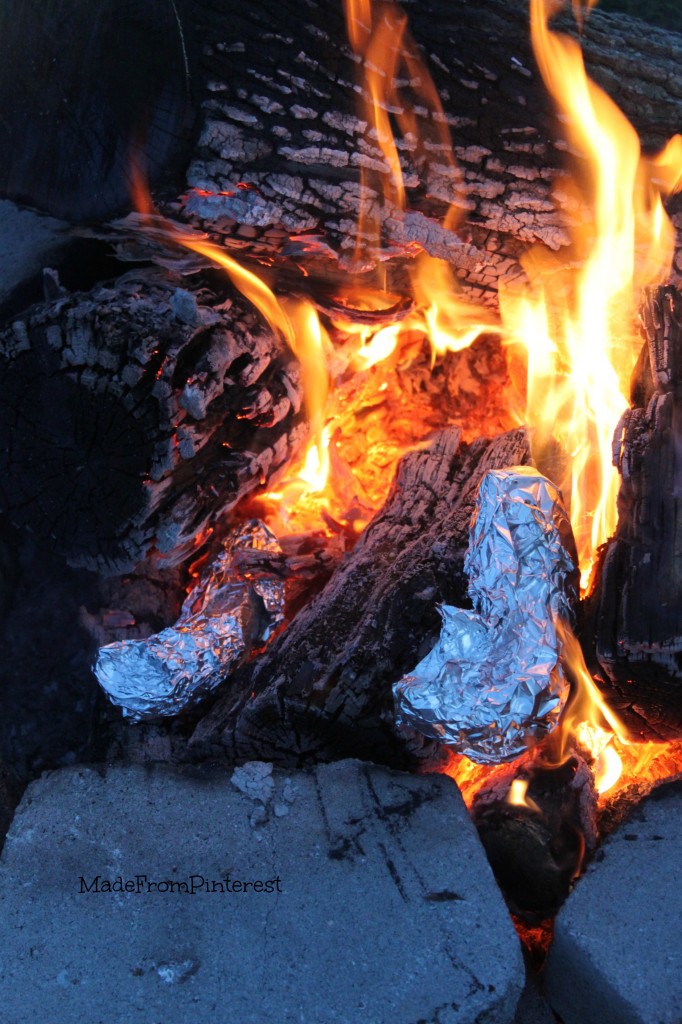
[28, 242]
[377, 904]
[616, 957]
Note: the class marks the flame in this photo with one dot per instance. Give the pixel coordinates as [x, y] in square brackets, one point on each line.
[382, 43]
[341, 489]
[518, 796]
[577, 324]
[587, 718]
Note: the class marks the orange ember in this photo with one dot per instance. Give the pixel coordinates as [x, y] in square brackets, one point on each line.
[376, 385]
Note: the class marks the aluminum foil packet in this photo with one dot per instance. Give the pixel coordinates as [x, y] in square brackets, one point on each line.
[223, 619]
[493, 684]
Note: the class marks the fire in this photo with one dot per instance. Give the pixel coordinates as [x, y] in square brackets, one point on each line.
[381, 42]
[577, 324]
[518, 796]
[573, 323]
[587, 719]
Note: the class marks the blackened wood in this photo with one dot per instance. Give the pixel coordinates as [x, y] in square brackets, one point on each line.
[282, 146]
[634, 621]
[135, 415]
[278, 142]
[536, 851]
[86, 90]
[323, 689]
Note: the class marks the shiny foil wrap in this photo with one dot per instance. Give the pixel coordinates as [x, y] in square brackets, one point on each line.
[493, 683]
[229, 613]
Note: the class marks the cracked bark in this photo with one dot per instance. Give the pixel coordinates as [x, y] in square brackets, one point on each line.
[137, 414]
[272, 86]
[323, 688]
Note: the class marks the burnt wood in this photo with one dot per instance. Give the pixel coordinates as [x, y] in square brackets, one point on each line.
[536, 851]
[281, 146]
[259, 100]
[633, 629]
[322, 690]
[87, 92]
[137, 414]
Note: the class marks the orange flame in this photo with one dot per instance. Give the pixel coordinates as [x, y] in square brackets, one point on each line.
[587, 718]
[379, 36]
[384, 49]
[577, 324]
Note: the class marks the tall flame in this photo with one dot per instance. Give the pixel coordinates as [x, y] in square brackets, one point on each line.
[380, 38]
[577, 324]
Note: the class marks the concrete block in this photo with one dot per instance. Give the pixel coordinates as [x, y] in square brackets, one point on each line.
[365, 898]
[616, 957]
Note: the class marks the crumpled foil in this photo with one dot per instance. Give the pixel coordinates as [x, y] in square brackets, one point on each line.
[222, 620]
[493, 684]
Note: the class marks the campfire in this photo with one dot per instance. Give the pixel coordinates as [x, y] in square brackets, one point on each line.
[352, 467]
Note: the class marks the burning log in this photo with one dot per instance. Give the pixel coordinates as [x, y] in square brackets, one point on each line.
[137, 414]
[282, 146]
[323, 689]
[279, 146]
[537, 822]
[634, 614]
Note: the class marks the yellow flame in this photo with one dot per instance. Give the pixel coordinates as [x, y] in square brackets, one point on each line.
[577, 324]
[608, 769]
[379, 36]
[376, 346]
[587, 717]
[518, 796]
[451, 322]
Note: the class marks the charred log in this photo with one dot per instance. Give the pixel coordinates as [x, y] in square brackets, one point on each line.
[278, 143]
[86, 92]
[537, 842]
[136, 414]
[634, 621]
[323, 689]
[282, 147]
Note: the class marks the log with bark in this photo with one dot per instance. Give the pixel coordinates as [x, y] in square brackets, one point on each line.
[282, 147]
[633, 628]
[322, 690]
[277, 141]
[135, 415]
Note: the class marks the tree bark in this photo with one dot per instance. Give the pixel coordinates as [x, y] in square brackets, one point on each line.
[281, 146]
[634, 616]
[322, 690]
[137, 414]
[264, 96]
